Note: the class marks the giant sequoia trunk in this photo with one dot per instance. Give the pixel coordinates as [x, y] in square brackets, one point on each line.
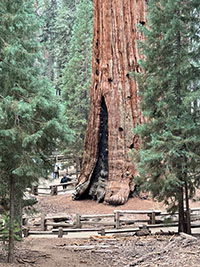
[107, 170]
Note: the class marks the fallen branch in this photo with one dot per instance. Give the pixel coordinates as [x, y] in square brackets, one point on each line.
[184, 235]
[89, 247]
[102, 251]
[24, 261]
[193, 252]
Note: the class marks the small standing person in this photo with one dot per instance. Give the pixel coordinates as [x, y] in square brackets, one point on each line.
[56, 171]
[64, 180]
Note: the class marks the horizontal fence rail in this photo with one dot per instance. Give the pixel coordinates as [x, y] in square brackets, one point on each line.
[101, 223]
[52, 189]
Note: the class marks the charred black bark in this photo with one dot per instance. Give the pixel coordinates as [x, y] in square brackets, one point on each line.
[98, 182]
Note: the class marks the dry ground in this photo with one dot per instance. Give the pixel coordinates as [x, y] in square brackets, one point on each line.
[149, 251]
[64, 204]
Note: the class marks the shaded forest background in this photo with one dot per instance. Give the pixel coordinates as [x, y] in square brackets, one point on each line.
[67, 35]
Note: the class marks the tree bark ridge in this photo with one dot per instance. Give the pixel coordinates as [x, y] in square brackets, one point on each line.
[114, 56]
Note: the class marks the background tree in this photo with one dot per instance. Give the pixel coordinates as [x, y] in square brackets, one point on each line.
[107, 171]
[48, 10]
[58, 16]
[169, 86]
[63, 32]
[77, 76]
[32, 124]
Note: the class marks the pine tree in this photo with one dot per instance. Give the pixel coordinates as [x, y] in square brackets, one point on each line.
[63, 33]
[32, 124]
[170, 92]
[49, 13]
[58, 16]
[77, 75]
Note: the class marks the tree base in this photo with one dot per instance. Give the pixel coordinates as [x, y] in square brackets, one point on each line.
[114, 194]
[117, 193]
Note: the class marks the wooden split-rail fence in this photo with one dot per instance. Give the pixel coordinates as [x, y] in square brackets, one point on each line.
[52, 190]
[102, 223]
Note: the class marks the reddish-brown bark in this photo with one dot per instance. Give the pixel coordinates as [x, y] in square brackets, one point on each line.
[114, 56]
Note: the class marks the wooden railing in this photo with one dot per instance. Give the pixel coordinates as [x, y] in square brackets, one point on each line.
[101, 223]
[52, 189]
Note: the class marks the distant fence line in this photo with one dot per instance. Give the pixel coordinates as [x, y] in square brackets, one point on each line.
[101, 222]
[52, 189]
[61, 157]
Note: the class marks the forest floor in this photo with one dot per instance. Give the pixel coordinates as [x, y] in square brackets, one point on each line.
[95, 251]
[150, 251]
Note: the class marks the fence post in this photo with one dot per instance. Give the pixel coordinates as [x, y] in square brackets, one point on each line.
[60, 232]
[54, 190]
[102, 232]
[153, 217]
[34, 190]
[117, 219]
[78, 221]
[26, 232]
[43, 223]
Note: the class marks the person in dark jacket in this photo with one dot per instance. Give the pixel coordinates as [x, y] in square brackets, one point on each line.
[64, 180]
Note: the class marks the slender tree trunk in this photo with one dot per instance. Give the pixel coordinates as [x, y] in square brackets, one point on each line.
[181, 223]
[188, 220]
[107, 170]
[182, 227]
[11, 221]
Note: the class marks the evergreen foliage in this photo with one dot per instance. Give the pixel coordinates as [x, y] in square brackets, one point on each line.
[63, 33]
[77, 75]
[170, 92]
[49, 12]
[58, 16]
[32, 124]
[4, 230]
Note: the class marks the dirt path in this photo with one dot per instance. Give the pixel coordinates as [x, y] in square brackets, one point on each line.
[53, 252]
[148, 251]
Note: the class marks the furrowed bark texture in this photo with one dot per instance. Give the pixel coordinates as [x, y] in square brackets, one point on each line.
[107, 171]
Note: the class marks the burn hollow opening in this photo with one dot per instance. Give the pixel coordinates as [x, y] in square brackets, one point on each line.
[99, 177]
